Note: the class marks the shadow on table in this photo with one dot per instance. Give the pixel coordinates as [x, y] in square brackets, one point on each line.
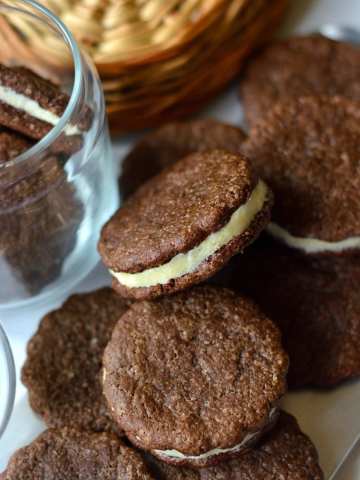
[330, 418]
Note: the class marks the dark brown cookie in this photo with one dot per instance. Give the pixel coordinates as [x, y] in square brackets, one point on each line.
[284, 453]
[15, 190]
[308, 152]
[32, 106]
[195, 378]
[163, 147]
[40, 216]
[184, 224]
[316, 306]
[69, 454]
[297, 67]
[164, 471]
[62, 370]
[11, 145]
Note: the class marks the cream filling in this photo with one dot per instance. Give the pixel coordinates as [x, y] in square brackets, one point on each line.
[214, 451]
[210, 453]
[31, 107]
[184, 263]
[312, 245]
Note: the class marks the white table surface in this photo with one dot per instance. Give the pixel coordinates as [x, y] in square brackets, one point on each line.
[331, 418]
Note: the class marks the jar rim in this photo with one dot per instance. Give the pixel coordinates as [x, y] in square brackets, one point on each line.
[57, 129]
[8, 379]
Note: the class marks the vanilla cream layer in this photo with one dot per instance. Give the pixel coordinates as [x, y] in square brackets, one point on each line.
[185, 263]
[214, 451]
[210, 453]
[31, 107]
[312, 245]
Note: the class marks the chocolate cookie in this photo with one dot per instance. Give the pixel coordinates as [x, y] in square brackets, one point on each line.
[165, 471]
[11, 145]
[40, 216]
[284, 453]
[69, 454]
[163, 147]
[184, 224]
[33, 105]
[296, 67]
[308, 151]
[62, 370]
[195, 378]
[316, 306]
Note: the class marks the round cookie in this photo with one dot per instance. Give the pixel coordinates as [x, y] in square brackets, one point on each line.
[184, 224]
[64, 454]
[195, 378]
[166, 145]
[284, 453]
[316, 305]
[62, 369]
[297, 67]
[308, 151]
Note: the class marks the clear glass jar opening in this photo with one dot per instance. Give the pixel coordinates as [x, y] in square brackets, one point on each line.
[56, 194]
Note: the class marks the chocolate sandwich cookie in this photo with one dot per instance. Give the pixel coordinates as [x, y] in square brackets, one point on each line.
[36, 256]
[195, 378]
[316, 306]
[296, 67]
[69, 454]
[183, 225]
[163, 147]
[33, 105]
[308, 151]
[284, 453]
[40, 214]
[64, 358]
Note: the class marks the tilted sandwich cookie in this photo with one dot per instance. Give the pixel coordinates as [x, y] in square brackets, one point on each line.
[195, 378]
[183, 225]
[32, 105]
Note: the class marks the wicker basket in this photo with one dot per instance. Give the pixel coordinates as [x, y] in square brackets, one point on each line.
[158, 59]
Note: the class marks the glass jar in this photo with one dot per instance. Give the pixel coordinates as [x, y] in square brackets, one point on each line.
[7, 381]
[56, 195]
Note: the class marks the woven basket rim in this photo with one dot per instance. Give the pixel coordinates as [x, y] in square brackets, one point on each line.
[164, 51]
[176, 79]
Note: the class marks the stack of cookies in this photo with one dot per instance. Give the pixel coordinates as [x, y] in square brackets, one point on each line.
[178, 371]
[168, 375]
[39, 211]
[302, 101]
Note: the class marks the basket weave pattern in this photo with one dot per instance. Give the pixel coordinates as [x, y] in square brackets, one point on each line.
[158, 59]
